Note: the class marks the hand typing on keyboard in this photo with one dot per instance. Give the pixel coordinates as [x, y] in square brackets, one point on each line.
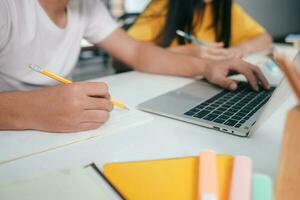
[231, 108]
[217, 73]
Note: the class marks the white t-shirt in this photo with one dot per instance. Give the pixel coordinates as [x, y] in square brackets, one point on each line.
[29, 36]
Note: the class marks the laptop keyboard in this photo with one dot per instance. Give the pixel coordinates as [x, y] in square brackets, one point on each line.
[232, 108]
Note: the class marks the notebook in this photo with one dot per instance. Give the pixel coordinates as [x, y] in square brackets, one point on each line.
[240, 188]
[262, 187]
[75, 184]
[174, 179]
[33, 142]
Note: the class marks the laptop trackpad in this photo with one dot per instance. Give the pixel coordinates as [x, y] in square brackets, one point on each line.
[181, 100]
[198, 90]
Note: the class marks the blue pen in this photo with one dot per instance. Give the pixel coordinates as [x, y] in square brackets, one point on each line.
[191, 38]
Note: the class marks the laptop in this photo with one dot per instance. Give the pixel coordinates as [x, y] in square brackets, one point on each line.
[204, 104]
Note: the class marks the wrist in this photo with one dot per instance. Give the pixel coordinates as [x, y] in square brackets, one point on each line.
[11, 116]
[243, 50]
[190, 50]
[204, 66]
[22, 117]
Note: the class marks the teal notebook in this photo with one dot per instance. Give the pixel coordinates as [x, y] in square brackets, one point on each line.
[262, 188]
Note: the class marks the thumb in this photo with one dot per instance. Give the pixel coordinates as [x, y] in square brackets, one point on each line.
[227, 83]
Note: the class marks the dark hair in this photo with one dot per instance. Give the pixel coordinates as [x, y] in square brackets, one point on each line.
[181, 15]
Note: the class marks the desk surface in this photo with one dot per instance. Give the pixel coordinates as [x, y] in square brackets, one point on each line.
[160, 138]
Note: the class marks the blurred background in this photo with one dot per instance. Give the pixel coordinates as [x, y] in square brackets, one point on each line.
[279, 17]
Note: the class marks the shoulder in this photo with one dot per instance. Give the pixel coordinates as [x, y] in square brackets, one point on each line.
[156, 7]
[238, 10]
[149, 24]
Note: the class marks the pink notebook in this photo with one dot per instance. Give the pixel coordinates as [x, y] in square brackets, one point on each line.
[241, 179]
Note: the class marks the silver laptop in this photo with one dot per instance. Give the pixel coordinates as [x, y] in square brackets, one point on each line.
[209, 106]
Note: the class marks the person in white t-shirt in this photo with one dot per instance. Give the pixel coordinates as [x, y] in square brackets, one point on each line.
[48, 33]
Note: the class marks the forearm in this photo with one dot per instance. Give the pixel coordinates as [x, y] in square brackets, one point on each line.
[150, 58]
[13, 106]
[255, 45]
[182, 49]
[153, 59]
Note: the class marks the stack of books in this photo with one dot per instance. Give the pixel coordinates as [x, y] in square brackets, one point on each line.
[209, 176]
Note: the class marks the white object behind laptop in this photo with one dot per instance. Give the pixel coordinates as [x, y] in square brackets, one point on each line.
[280, 95]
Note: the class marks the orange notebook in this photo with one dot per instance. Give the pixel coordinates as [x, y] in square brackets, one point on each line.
[174, 179]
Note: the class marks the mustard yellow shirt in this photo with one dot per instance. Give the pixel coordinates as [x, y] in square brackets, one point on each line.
[150, 23]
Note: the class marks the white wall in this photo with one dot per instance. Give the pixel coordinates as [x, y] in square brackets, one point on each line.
[135, 6]
[280, 17]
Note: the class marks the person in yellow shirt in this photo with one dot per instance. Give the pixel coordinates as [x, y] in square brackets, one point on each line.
[223, 24]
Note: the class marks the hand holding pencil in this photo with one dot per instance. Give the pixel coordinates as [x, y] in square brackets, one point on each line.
[204, 50]
[66, 108]
[66, 81]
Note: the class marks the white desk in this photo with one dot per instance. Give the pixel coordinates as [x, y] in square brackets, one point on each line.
[160, 138]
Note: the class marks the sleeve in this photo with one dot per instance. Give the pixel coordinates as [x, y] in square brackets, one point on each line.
[4, 23]
[100, 23]
[244, 27]
[150, 23]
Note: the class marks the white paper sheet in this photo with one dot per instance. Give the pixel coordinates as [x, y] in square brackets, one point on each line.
[16, 145]
[75, 184]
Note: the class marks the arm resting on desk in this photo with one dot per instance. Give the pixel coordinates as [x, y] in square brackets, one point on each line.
[152, 59]
[149, 58]
[216, 51]
[257, 44]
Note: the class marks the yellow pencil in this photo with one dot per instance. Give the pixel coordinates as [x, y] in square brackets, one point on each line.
[66, 81]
